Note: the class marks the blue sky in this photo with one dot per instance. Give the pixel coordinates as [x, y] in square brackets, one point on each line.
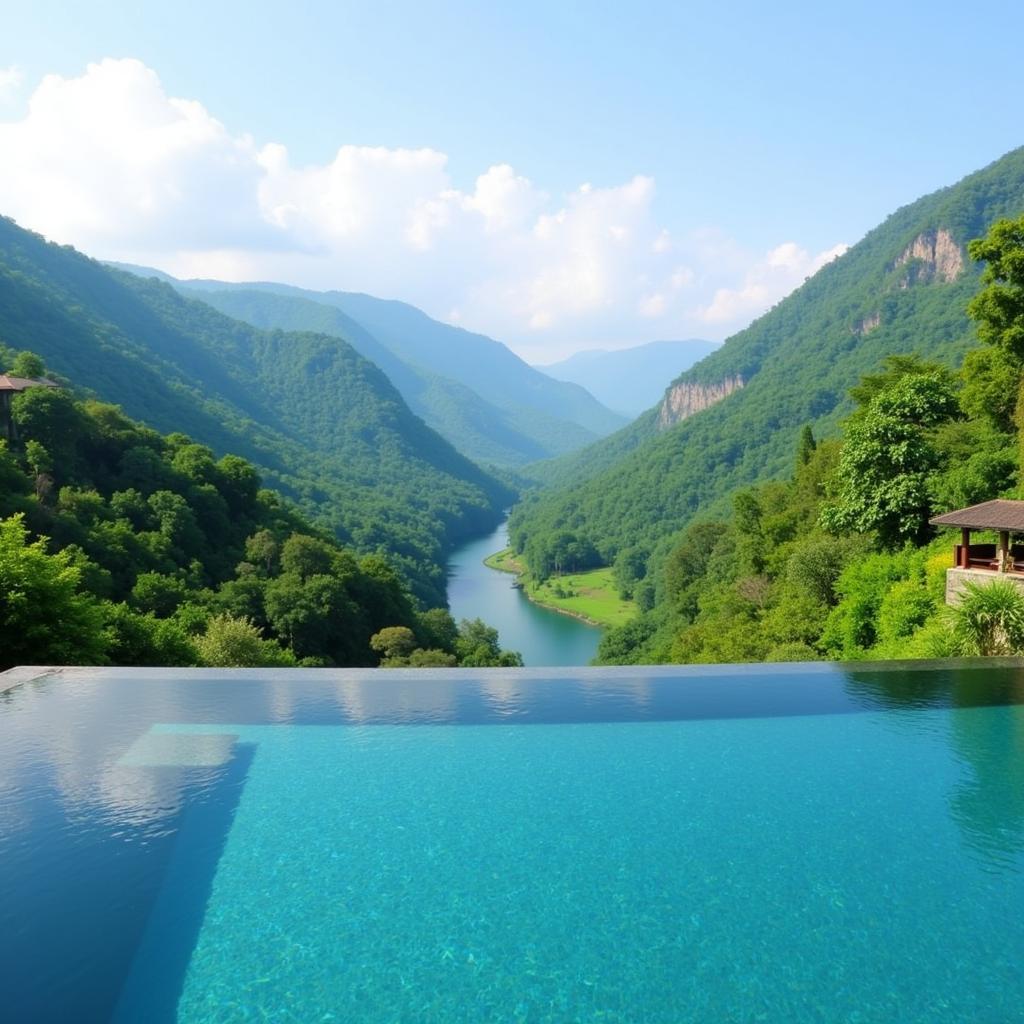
[751, 127]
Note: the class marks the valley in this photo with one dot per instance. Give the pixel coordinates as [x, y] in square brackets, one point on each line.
[405, 438]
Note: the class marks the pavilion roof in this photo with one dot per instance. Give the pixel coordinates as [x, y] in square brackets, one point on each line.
[1000, 514]
[9, 383]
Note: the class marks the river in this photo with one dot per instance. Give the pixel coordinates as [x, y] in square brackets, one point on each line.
[541, 636]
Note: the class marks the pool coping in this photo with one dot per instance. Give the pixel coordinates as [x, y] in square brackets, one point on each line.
[27, 673]
[24, 674]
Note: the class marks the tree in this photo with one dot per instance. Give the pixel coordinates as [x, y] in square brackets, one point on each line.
[146, 640]
[393, 642]
[51, 417]
[747, 516]
[629, 569]
[27, 364]
[437, 629]
[998, 308]
[805, 446]
[317, 617]
[39, 461]
[154, 592]
[883, 473]
[477, 646]
[262, 549]
[45, 618]
[815, 565]
[687, 564]
[239, 482]
[306, 556]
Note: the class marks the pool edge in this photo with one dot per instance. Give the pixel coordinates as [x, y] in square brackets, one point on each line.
[24, 674]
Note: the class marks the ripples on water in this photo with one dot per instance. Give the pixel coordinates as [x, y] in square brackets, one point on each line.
[811, 842]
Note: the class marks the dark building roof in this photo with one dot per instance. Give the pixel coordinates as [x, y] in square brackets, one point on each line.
[1000, 514]
[9, 383]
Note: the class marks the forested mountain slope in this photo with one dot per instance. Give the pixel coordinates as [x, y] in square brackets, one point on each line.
[480, 429]
[119, 545]
[479, 362]
[735, 417]
[319, 421]
[630, 380]
[473, 390]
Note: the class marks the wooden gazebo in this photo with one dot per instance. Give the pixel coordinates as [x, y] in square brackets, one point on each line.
[9, 387]
[1002, 515]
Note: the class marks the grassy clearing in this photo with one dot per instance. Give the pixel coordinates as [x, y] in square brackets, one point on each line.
[505, 561]
[590, 596]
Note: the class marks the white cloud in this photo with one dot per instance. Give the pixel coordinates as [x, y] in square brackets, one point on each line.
[10, 84]
[652, 306]
[767, 281]
[109, 162]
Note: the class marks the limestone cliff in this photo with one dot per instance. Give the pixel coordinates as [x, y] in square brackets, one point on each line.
[685, 399]
[868, 324]
[936, 258]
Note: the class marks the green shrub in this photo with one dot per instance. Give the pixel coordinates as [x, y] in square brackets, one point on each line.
[237, 643]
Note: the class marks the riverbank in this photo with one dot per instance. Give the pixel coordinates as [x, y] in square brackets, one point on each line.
[543, 636]
[590, 596]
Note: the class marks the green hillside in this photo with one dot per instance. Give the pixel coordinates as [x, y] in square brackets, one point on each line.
[902, 289]
[119, 545]
[481, 430]
[481, 363]
[471, 389]
[320, 422]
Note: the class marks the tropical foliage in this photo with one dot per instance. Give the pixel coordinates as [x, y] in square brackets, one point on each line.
[322, 424]
[886, 296]
[119, 545]
[838, 560]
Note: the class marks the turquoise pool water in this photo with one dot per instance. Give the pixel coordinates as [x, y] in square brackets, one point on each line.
[796, 844]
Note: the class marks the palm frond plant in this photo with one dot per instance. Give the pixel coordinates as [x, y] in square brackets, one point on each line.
[989, 620]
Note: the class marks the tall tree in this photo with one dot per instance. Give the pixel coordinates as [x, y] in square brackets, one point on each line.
[882, 478]
[998, 310]
[45, 617]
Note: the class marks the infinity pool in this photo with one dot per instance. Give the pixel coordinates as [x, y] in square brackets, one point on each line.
[780, 844]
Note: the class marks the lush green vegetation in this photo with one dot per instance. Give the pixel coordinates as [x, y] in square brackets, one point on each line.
[838, 560]
[321, 423]
[119, 545]
[596, 596]
[639, 488]
[472, 390]
[593, 596]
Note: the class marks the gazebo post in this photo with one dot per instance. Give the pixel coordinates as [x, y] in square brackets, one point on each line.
[1004, 548]
[965, 548]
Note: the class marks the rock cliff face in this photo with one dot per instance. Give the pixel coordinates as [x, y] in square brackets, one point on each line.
[685, 399]
[938, 258]
[868, 324]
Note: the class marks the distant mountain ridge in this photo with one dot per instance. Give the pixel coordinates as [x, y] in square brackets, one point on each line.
[630, 380]
[734, 417]
[321, 422]
[473, 390]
